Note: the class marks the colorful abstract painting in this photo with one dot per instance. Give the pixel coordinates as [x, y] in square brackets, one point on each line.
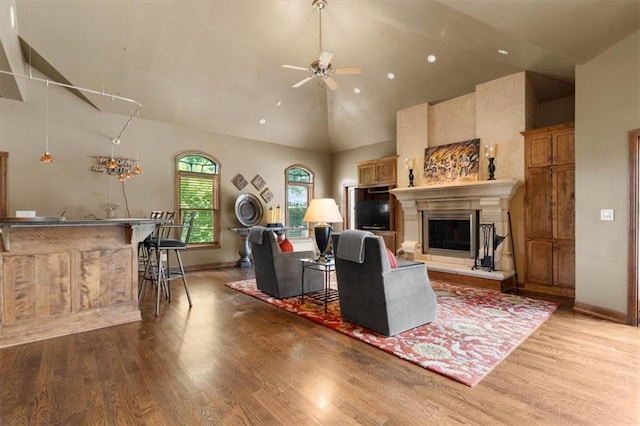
[456, 162]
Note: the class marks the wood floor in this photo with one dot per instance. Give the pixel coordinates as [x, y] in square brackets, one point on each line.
[233, 359]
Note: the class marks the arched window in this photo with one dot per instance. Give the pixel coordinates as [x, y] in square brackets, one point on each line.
[299, 192]
[197, 189]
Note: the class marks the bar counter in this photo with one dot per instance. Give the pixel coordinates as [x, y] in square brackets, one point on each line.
[60, 277]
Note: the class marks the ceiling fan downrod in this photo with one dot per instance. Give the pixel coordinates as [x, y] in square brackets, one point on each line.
[320, 5]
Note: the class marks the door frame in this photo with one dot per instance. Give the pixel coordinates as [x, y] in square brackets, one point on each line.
[4, 194]
[633, 302]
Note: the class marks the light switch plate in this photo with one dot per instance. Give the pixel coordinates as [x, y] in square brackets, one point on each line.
[606, 214]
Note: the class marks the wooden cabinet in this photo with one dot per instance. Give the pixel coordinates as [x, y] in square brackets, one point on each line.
[377, 172]
[375, 179]
[550, 210]
[389, 238]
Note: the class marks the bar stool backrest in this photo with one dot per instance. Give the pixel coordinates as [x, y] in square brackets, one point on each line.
[187, 225]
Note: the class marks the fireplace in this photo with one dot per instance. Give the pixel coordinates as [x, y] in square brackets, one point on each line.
[450, 233]
[485, 202]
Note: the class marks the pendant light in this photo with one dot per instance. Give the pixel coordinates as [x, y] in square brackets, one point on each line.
[47, 157]
[137, 169]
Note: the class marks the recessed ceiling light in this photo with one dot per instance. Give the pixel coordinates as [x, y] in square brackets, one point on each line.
[278, 102]
[12, 16]
[431, 58]
[391, 76]
[503, 52]
[262, 121]
[356, 91]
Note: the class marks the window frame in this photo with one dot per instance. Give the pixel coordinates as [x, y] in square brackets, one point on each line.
[310, 192]
[216, 178]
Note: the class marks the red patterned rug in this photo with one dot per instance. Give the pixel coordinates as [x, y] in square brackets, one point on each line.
[475, 329]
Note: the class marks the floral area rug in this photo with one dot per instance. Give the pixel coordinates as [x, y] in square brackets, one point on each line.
[474, 331]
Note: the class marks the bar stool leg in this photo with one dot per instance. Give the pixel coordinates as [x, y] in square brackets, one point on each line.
[184, 277]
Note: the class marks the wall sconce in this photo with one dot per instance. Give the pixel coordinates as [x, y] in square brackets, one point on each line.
[408, 164]
[490, 154]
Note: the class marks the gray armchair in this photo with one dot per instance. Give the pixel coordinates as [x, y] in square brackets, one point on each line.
[279, 273]
[372, 294]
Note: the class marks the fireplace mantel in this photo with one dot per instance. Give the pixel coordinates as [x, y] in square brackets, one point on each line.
[503, 188]
[491, 198]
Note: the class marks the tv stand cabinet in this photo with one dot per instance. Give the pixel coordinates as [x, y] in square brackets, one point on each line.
[375, 180]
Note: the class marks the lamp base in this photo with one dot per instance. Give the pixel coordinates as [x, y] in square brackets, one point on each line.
[322, 233]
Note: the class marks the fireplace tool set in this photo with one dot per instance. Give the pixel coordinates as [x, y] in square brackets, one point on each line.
[490, 242]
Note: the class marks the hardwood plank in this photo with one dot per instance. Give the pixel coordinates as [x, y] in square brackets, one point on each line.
[232, 359]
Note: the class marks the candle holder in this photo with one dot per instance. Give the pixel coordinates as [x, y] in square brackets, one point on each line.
[408, 163]
[490, 153]
[492, 169]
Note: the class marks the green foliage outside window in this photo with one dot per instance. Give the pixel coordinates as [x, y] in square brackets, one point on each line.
[198, 186]
[299, 186]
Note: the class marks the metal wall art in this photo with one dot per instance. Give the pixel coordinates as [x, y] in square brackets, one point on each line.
[258, 182]
[267, 195]
[239, 181]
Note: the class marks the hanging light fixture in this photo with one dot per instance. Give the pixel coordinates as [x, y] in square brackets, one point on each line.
[137, 169]
[112, 163]
[46, 157]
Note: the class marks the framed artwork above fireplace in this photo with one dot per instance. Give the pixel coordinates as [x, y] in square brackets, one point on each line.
[455, 162]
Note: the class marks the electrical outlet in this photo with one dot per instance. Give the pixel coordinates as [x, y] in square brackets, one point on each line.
[606, 214]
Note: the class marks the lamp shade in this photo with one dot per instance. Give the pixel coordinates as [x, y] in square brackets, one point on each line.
[322, 210]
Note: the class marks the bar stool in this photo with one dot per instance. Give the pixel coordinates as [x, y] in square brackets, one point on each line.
[149, 271]
[159, 248]
[143, 254]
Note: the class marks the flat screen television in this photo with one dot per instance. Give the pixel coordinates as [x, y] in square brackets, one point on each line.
[373, 215]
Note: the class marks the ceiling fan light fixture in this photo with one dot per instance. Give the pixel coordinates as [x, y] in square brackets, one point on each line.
[503, 52]
[391, 76]
[322, 67]
[356, 90]
[431, 58]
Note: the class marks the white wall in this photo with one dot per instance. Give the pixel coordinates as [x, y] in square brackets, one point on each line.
[607, 107]
[78, 131]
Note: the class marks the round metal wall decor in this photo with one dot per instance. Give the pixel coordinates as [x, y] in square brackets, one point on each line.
[248, 209]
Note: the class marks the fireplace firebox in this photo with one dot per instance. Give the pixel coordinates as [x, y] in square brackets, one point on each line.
[450, 233]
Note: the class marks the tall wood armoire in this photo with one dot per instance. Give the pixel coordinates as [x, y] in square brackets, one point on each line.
[550, 210]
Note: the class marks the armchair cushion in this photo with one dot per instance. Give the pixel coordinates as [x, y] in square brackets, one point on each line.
[285, 245]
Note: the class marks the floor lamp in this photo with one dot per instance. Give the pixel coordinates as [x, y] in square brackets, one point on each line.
[323, 212]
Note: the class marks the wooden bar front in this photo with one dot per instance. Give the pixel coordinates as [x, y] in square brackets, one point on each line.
[62, 278]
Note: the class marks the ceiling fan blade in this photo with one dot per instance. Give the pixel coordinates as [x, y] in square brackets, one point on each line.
[331, 83]
[325, 58]
[348, 70]
[294, 67]
[301, 82]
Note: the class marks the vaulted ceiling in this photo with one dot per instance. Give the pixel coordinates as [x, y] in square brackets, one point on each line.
[216, 65]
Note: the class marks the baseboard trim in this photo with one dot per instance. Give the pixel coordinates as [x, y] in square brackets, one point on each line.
[598, 312]
[208, 266]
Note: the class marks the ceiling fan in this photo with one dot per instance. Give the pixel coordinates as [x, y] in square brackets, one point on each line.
[322, 67]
